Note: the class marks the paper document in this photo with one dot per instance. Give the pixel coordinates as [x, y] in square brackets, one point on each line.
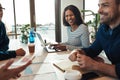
[46, 76]
[65, 65]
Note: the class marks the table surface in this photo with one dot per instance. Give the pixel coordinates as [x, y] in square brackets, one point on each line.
[42, 66]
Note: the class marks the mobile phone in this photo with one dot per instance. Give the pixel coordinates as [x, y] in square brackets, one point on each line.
[89, 75]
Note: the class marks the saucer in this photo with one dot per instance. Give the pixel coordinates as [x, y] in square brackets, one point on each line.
[72, 75]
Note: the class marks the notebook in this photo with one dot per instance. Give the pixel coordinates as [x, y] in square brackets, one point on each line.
[66, 65]
[48, 48]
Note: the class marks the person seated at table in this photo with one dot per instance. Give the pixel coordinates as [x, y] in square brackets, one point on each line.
[7, 73]
[77, 31]
[4, 42]
[107, 39]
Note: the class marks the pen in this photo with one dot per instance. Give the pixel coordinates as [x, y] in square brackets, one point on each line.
[58, 67]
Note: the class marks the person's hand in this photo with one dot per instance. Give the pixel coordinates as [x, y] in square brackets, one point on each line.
[73, 55]
[20, 52]
[7, 73]
[85, 62]
[54, 44]
[99, 59]
[59, 47]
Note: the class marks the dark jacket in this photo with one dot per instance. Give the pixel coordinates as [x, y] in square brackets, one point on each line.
[109, 41]
[4, 44]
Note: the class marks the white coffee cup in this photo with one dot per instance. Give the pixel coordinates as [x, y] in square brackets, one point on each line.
[72, 75]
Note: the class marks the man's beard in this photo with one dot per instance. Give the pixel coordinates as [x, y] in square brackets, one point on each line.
[109, 19]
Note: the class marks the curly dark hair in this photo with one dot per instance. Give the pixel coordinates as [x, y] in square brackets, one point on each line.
[77, 14]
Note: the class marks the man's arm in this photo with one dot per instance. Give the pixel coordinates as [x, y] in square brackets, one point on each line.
[95, 47]
[87, 63]
[11, 54]
[107, 69]
[7, 55]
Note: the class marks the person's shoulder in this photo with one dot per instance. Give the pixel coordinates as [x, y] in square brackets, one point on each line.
[103, 26]
[83, 26]
[102, 29]
[68, 27]
[2, 25]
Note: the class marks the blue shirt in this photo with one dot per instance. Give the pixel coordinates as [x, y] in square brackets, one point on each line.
[109, 41]
[4, 42]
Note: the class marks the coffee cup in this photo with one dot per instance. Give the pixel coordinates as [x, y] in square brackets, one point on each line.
[31, 48]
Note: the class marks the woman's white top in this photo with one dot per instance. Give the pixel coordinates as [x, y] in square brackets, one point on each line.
[78, 38]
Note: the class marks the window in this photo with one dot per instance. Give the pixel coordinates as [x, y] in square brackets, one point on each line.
[90, 17]
[8, 15]
[22, 14]
[45, 18]
[93, 7]
[44, 11]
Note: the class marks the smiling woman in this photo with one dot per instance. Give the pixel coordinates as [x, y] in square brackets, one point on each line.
[77, 31]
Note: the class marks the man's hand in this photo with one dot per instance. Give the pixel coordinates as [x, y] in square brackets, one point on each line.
[99, 59]
[6, 73]
[86, 62]
[20, 52]
[73, 54]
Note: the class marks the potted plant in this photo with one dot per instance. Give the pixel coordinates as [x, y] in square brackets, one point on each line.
[93, 22]
[25, 33]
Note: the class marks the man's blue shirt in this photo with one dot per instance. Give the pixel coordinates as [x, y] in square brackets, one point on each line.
[108, 40]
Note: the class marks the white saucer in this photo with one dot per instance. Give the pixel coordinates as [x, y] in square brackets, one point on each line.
[72, 75]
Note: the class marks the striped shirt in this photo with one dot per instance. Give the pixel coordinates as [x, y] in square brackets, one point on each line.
[78, 38]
